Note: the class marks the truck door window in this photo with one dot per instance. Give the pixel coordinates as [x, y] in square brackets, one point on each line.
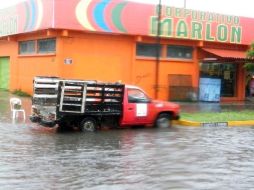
[137, 96]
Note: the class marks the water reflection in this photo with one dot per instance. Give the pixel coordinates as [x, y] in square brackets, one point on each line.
[123, 159]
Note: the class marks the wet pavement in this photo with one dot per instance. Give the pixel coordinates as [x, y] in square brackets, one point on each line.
[33, 157]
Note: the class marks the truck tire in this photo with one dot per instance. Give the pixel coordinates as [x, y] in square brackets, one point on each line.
[163, 121]
[88, 125]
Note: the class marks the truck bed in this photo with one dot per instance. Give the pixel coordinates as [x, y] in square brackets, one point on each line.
[78, 97]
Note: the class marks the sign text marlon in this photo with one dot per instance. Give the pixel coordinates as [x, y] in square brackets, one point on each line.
[197, 25]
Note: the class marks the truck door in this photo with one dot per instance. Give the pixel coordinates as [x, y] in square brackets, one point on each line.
[136, 108]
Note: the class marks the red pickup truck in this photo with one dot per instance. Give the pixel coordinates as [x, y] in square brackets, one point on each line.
[90, 105]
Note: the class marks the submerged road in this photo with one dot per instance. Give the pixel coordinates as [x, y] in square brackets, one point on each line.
[33, 157]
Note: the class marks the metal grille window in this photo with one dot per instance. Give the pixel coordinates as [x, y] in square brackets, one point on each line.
[27, 47]
[147, 50]
[180, 52]
[47, 45]
[181, 89]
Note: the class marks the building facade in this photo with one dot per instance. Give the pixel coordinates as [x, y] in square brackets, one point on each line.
[118, 41]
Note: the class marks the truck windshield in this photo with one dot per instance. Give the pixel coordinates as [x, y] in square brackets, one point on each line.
[137, 96]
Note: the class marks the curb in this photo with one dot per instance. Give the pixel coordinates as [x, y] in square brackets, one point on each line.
[187, 123]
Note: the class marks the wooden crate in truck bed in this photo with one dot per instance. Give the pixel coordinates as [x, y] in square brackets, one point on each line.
[78, 97]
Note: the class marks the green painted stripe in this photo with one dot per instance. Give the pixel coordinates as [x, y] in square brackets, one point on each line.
[116, 16]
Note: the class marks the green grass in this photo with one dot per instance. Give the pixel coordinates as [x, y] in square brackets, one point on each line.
[219, 116]
[21, 93]
[4, 90]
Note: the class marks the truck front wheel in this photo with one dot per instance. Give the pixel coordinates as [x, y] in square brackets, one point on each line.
[88, 125]
[163, 121]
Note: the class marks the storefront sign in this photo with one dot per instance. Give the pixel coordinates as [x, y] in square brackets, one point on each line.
[119, 16]
[24, 17]
[197, 25]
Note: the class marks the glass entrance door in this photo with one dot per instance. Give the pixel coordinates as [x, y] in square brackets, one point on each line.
[224, 71]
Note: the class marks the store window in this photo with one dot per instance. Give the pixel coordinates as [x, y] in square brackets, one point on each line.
[41, 46]
[179, 52]
[47, 45]
[27, 47]
[226, 72]
[147, 50]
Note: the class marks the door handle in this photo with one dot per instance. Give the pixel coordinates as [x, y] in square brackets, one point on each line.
[130, 108]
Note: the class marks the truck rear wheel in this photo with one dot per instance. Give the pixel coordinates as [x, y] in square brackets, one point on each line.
[163, 121]
[88, 125]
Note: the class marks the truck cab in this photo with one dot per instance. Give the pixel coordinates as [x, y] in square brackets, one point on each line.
[89, 105]
[139, 109]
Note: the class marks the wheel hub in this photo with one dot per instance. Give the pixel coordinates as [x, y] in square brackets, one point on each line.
[89, 126]
[163, 122]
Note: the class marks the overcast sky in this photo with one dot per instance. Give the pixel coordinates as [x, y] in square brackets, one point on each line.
[231, 7]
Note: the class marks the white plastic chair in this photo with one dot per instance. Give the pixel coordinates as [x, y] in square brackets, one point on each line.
[16, 108]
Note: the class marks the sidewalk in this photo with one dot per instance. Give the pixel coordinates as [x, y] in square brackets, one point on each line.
[192, 107]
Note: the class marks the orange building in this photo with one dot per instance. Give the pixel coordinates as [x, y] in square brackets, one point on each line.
[115, 40]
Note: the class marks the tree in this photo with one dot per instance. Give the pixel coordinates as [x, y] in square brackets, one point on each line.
[249, 66]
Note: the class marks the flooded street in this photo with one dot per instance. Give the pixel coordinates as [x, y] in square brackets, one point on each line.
[33, 157]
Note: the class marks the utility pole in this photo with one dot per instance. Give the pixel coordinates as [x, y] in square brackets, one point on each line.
[184, 5]
[158, 42]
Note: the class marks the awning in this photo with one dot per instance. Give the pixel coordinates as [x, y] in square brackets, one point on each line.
[232, 54]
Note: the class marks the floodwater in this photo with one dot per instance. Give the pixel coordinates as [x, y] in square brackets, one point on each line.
[33, 157]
